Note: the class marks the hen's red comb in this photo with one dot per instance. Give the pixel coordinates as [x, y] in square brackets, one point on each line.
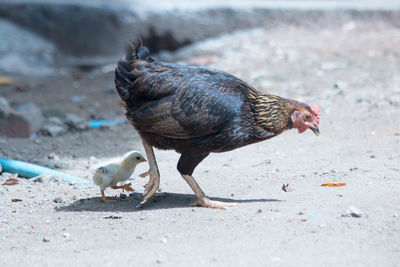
[315, 109]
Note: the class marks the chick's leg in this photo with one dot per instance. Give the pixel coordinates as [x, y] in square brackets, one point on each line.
[154, 181]
[186, 166]
[104, 199]
[126, 187]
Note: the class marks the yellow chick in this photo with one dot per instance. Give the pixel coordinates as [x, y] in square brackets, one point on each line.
[118, 171]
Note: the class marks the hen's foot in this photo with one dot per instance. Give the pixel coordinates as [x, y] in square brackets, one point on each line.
[151, 187]
[202, 199]
[213, 204]
[154, 181]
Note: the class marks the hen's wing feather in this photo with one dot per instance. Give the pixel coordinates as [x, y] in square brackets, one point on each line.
[184, 102]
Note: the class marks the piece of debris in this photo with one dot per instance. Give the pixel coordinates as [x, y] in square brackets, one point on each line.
[4, 80]
[113, 217]
[16, 200]
[352, 211]
[259, 211]
[21, 88]
[333, 184]
[287, 188]
[10, 181]
[300, 213]
[397, 133]
[45, 239]
[265, 162]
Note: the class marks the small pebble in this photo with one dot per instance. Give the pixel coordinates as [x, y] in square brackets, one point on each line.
[66, 235]
[58, 200]
[45, 240]
[287, 188]
[352, 211]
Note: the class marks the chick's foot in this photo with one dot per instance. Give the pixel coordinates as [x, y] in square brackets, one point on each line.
[123, 187]
[104, 199]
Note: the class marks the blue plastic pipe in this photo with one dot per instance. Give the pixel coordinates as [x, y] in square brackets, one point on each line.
[98, 123]
[29, 170]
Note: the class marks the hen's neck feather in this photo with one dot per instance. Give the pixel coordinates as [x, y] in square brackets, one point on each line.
[272, 112]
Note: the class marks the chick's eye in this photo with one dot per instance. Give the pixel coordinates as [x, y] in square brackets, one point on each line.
[306, 117]
[138, 158]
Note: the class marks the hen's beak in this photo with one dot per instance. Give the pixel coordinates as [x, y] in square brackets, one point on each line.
[143, 160]
[315, 129]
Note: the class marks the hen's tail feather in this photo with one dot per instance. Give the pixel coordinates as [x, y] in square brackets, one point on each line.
[138, 52]
[124, 72]
[123, 79]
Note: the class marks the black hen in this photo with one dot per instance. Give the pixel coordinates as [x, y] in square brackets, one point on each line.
[196, 111]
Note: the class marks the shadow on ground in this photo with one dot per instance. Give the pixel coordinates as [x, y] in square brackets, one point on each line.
[159, 201]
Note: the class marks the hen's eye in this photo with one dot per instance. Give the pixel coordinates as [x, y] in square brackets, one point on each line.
[306, 117]
[138, 158]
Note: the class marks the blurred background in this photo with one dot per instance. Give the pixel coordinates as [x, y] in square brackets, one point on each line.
[57, 57]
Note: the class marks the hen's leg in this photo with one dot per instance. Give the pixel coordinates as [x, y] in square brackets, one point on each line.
[186, 167]
[154, 181]
[104, 199]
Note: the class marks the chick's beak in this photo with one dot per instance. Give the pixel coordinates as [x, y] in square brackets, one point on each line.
[315, 129]
[143, 160]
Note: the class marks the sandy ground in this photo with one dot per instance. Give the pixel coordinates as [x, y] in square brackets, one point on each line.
[352, 72]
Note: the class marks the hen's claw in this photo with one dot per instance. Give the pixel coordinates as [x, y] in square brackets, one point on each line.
[143, 175]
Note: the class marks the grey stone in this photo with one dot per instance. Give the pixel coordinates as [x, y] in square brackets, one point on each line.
[77, 123]
[352, 211]
[42, 178]
[53, 130]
